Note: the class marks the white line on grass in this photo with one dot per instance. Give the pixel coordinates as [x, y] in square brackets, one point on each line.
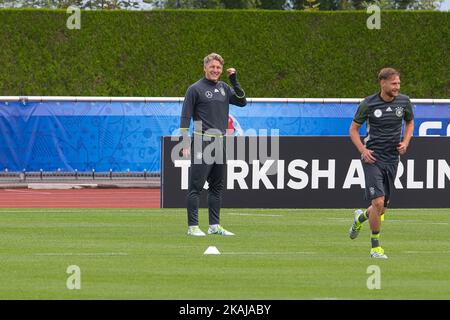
[418, 222]
[426, 252]
[254, 214]
[99, 254]
[268, 253]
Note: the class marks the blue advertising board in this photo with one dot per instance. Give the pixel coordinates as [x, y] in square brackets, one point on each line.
[126, 136]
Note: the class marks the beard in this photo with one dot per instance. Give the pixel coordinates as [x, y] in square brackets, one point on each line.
[391, 93]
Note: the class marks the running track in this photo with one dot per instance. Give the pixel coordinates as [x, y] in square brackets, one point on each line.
[80, 198]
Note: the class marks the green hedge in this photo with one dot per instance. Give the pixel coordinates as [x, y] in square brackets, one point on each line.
[277, 53]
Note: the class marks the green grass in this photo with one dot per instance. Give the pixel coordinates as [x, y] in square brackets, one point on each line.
[277, 53]
[277, 254]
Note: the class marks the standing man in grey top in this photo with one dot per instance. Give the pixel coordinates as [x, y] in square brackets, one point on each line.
[207, 103]
[384, 114]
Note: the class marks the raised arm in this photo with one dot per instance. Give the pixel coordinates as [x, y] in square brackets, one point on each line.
[237, 93]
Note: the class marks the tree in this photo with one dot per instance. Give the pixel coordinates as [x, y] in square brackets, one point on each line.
[358, 4]
[272, 4]
[226, 4]
[157, 4]
[405, 4]
[193, 4]
[240, 4]
[426, 5]
[382, 4]
[363, 4]
[323, 4]
[330, 4]
[402, 4]
[63, 4]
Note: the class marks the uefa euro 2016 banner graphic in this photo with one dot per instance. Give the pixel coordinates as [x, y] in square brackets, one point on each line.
[310, 172]
[123, 134]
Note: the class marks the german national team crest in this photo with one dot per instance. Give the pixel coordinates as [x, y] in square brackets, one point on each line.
[222, 91]
[399, 112]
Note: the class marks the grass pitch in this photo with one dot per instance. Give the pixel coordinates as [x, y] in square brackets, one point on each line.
[276, 254]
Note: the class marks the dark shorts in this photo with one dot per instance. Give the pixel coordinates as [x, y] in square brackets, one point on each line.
[380, 178]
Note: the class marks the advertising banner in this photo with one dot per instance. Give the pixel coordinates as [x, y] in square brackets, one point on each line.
[310, 172]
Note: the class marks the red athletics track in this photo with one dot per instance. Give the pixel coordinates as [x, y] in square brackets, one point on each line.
[80, 198]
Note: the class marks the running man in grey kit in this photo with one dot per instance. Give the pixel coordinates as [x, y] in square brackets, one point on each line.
[384, 113]
[207, 103]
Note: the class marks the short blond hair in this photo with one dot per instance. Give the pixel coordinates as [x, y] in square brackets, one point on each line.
[213, 56]
[386, 73]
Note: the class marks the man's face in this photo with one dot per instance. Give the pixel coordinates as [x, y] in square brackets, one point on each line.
[213, 70]
[391, 86]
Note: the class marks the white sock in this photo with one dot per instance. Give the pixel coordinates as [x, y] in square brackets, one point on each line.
[213, 226]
